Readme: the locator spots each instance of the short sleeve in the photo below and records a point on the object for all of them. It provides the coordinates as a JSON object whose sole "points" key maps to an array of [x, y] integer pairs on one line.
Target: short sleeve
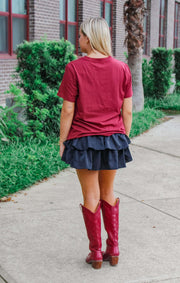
{"points": [[69, 86], [128, 92]]}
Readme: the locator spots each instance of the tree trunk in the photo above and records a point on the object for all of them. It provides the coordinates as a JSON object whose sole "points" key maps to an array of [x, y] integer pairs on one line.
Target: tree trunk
{"points": [[134, 11], [135, 65]]}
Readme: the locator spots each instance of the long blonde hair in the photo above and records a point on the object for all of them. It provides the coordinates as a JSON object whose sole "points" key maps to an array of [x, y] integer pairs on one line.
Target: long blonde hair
{"points": [[97, 30]]}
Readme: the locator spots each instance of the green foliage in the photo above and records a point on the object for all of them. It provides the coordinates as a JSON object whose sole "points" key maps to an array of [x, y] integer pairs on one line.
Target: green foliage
{"points": [[157, 73], [162, 71], [144, 120], [22, 164], [41, 66], [147, 77], [177, 67], [169, 102], [11, 127]]}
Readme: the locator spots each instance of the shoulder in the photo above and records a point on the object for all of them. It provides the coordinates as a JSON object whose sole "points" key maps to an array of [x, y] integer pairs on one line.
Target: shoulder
{"points": [[120, 64], [124, 69], [75, 63], [75, 66]]}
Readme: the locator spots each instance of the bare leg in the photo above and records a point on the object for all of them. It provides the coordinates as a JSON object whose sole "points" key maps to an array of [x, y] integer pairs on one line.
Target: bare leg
{"points": [[106, 181], [90, 187]]}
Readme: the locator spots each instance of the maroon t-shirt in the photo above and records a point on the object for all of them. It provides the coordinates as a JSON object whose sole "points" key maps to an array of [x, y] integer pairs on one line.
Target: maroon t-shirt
{"points": [[98, 87]]}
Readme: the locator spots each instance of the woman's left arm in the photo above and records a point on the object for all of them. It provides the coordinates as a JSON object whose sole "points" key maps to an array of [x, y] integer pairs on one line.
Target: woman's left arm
{"points": [[67, 114]]}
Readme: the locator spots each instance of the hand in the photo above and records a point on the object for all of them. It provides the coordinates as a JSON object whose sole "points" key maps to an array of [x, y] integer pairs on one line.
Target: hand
{"points": [[62, 147]]}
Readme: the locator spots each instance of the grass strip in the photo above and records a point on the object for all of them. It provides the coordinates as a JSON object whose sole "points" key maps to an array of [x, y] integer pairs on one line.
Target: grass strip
{"points": [[23, 164], [144, 120], [169, 102]]}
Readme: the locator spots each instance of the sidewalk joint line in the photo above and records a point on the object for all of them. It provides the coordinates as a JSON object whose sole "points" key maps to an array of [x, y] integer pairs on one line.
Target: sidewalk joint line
{"points": [[1, 277], [166, 213], [151, 280], [168, 279], [5, 276], [156, 150]]}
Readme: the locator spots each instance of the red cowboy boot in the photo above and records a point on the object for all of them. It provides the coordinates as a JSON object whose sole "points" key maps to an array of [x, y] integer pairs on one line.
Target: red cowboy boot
{"points": [[111, 224], [93, 227]]}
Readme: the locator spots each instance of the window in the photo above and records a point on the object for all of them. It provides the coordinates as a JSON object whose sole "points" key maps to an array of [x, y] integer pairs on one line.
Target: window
{"points": [[106, 12], [162, 23], [14, 25], [176, 25], [68, 21]]}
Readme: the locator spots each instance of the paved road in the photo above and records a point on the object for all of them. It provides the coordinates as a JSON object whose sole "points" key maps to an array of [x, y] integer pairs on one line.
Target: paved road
{"points": [[42, 234]]}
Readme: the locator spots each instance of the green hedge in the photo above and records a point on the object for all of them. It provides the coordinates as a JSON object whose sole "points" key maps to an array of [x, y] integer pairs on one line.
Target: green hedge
{"points": [[40, 68], [41, 64], [162, 71], [147, 78], [156, 73], [177, 67]]}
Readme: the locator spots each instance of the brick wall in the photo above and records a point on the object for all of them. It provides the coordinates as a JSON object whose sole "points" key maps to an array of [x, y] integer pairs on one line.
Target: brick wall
{"points": [[170, 24], [31, 20], [90, 9], [6, 70], [148, 23], [44, 19], [154, 29], [114, 27], [120, 33]]}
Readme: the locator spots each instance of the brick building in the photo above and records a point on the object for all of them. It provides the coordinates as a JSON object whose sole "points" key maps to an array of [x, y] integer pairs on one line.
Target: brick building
{"points": [[35, 19]]}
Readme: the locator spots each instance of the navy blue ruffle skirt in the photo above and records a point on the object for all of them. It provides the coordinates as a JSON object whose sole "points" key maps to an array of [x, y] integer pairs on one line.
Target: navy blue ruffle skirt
{"points": [[98, 152]]}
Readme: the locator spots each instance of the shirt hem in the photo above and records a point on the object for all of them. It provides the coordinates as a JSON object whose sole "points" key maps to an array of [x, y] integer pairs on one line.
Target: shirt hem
{"points": [[95, 134]]}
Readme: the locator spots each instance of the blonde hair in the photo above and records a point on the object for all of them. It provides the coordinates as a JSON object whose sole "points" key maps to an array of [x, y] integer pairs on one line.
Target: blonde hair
{"points": [[97, 30]]}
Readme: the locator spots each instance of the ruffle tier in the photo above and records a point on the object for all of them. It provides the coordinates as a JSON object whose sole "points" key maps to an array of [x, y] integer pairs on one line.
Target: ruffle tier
{"points": [[98, 152]]}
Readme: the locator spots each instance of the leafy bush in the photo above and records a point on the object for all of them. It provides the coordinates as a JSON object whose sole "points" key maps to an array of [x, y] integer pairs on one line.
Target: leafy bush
{"points": [[11, 126], [177, 67], [147, 77], [162, 71], [41, 66]]}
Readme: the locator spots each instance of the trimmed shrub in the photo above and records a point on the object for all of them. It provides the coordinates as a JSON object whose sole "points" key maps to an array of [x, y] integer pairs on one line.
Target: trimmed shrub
{"points": [[177, 68], [147, 77], [162, 71], [41, 66]]}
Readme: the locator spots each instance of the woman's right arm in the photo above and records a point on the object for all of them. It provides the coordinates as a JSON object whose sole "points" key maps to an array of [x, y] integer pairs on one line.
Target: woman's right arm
{"points": [[127, 114]]}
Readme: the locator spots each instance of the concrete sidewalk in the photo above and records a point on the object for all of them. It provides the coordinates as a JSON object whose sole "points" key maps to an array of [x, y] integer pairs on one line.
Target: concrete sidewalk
{"points": [[42, 234]]}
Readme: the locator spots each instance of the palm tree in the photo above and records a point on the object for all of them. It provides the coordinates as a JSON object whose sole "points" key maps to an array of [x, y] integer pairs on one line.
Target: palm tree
{"points": [[134, 11]]}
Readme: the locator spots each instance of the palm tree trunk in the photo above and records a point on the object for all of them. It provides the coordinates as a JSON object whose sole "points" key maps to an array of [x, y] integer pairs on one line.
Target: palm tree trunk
{"points": [[135, 65], [134, 11]]}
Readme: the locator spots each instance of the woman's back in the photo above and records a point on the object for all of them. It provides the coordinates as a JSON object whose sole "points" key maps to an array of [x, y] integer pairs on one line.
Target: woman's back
{"points": [[98, 86]]}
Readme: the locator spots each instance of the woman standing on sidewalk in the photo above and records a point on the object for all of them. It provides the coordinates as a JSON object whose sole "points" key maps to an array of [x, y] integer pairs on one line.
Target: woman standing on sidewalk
{"points": [[95, 124]]}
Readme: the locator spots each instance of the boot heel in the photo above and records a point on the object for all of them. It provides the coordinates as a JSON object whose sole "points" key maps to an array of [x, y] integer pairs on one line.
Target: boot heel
{"points": [[114, 260], [96, 264]]}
